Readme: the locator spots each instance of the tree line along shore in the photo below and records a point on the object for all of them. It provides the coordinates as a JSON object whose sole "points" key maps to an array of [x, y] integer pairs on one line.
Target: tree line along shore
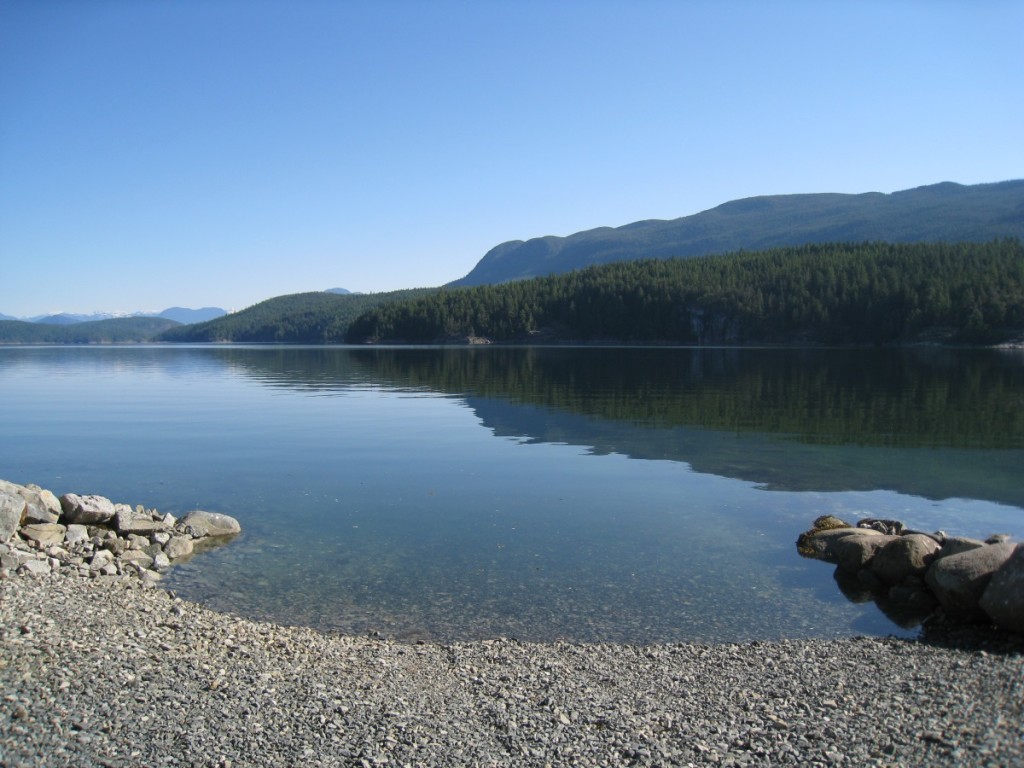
{"points": [[817, 294]]}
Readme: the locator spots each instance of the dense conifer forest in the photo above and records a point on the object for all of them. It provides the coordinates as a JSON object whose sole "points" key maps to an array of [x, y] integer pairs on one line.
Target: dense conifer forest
{"points": [[839, 294], [867, 293]]}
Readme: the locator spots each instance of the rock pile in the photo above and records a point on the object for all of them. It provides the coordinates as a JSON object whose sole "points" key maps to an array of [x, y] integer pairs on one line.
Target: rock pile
{"points": [[91, 536], [966, 580]]}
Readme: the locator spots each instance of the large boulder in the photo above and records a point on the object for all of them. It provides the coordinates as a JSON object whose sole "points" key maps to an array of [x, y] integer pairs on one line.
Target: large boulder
{"points": [[35, 567], [1003, 598], [137, 557], [41, 505], [136, 521], [12, 511], [44, 534], [86, 510], [198, 524], [904, 557], [179, 546], [76, 534], [954, 545], [856, 551], [821, 543], [959, 581]]}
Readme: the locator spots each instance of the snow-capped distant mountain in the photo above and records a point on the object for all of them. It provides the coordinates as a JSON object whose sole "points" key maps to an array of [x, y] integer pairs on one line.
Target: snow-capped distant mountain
{"points": [[66, 318], [178, 314]]}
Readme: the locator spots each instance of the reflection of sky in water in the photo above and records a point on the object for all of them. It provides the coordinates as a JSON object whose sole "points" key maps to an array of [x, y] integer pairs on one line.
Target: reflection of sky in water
{"points": [[369, 507]]}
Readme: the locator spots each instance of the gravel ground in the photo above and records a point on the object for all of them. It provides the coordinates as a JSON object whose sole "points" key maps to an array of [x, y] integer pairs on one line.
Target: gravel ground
{"points": [[107, 673]]}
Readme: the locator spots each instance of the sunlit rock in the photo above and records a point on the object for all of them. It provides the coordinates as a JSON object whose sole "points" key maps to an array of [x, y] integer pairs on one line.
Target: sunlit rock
{"points": [[1003, 598], [178, 547], [856, 551], [904, 557], [954, 545], [44, 534], [87, 510], [959, 581], [12, 509], [41, 506], [136, 521]]}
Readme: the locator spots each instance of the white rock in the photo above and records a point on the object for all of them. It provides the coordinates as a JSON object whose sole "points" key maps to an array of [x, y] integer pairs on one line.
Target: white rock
{"points": [[87, 510], [35, 567], [76, 533], [101, 558], [136, 557], [41, 506], [44, 534], [12, 508]]}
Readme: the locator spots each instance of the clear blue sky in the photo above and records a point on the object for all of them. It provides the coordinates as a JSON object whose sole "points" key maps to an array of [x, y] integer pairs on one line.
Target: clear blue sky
{"points": [[220, 152]]}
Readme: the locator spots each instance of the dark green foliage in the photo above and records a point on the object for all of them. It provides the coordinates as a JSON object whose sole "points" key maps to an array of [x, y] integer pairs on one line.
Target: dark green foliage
{"points": [[869, 293], [907, 397], [118, 330], [940, 212], [310, 318]]}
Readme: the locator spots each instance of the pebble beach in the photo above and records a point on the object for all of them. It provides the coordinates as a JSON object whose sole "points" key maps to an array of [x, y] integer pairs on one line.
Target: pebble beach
{"points": [[112, 671]]}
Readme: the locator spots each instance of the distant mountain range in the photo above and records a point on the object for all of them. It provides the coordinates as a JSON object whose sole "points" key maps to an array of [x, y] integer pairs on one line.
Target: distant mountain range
{"points": [[940, 212], [177, 314], [118, 330]]}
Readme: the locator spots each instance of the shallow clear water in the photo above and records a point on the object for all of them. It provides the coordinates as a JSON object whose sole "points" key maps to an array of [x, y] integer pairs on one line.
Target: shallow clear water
{"points": [[636, 495]]}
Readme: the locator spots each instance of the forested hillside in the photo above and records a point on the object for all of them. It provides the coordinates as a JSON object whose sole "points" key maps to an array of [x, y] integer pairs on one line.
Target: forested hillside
{"points": [[312, 318], [870, 293], [940, 212], [118, 330]]}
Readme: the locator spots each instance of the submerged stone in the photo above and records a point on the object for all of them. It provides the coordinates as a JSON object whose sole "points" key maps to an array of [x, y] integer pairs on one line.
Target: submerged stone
{"points": [[178, 546], [199, 524]]}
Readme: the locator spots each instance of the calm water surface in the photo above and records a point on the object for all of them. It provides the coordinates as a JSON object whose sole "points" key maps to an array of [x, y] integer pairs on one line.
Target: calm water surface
{"points": [[606, 494]]}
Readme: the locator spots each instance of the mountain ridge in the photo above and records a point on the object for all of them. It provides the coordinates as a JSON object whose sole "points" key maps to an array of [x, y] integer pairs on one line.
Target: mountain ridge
{"points": [[946, 211], [181, 315], [118, 330]]}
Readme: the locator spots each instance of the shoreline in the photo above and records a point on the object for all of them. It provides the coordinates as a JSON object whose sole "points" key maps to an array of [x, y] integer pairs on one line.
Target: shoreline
{"points": [[116, 673]]}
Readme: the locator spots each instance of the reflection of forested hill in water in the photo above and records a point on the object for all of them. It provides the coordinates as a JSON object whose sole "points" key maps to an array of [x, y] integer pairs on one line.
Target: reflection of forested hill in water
{"points": [[925, 397], [917, 398], [772, 460], [931, 422]]}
